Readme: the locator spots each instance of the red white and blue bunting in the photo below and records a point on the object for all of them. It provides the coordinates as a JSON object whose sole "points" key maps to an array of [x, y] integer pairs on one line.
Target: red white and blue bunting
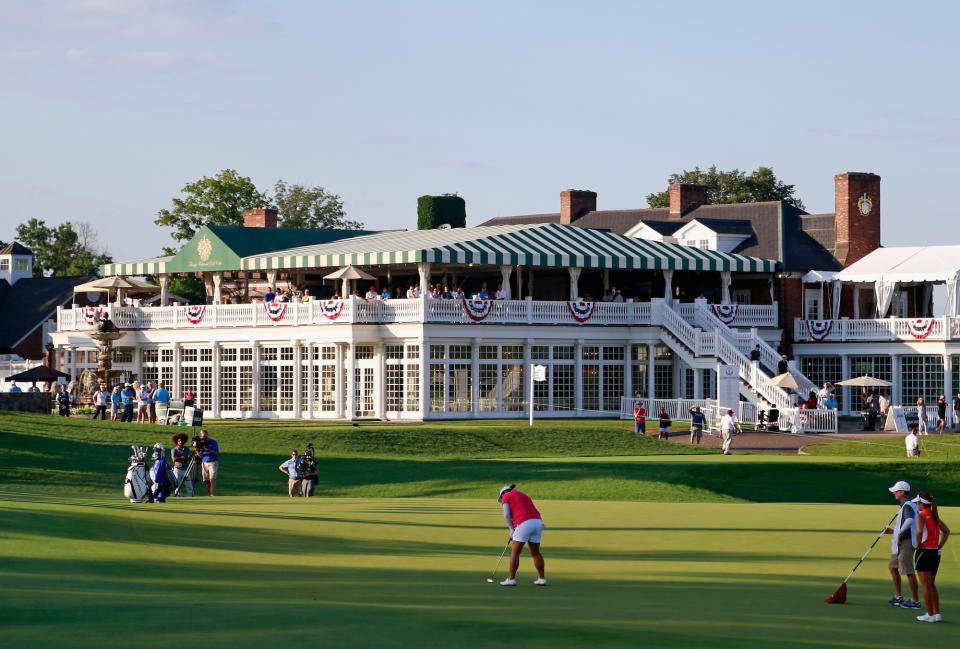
{"points": [[195, 313], [331, 309], [726, 313], [275, 310], [920, 328], [819, 329], [91, 314], [580, 310], [477, 309]]}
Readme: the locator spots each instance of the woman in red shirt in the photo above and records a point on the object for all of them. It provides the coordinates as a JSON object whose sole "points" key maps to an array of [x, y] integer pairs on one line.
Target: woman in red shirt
{"points": [[932, 534], [526, 526]]}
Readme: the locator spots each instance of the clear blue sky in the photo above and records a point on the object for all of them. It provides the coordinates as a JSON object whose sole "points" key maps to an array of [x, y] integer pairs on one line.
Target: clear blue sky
{"points": [[110, 106]]}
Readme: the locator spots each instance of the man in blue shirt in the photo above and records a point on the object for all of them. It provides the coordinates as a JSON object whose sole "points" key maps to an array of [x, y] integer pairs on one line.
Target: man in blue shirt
{"points": [[161, 400], [292, 468], [210, 460], [14, 387], [128, 396], [484, 292], [697, 419]]}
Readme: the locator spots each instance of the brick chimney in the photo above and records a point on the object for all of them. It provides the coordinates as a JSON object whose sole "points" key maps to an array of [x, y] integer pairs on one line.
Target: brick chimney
{"points": [[260, 217], [574, 203], [685, 197], [857, 217]]}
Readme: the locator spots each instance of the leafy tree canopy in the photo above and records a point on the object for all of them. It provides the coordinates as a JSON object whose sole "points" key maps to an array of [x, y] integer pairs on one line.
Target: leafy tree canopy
{"points": [[301, 206], [222, 199], [65, 249], [434, 211], [732, 187]]}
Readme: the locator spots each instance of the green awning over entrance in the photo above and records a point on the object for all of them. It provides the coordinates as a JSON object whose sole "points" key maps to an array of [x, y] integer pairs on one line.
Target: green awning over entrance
{"points": [[549, 245]]}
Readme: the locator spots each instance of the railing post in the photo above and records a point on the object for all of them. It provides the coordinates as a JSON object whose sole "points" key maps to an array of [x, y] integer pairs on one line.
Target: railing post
{"points": [[529, 305]]}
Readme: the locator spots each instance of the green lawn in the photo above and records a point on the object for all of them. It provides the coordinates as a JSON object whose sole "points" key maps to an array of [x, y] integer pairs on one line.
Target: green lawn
{"points": [[647, 543], [933, 447]]}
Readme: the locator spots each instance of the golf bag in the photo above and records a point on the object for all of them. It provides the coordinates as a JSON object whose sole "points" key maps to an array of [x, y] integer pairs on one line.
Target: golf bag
{"points": [[159, 480], [135, 484]]}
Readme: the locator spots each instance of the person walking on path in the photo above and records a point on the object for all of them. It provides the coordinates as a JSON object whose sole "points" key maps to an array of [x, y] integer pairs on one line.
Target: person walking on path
{"points": [[664, 424], [526, 526], [640, 418], [941, 414], [292, 468], [210, 462], [697, 418], [932, 534], [923, 424], [901, 547], [728, 428]]}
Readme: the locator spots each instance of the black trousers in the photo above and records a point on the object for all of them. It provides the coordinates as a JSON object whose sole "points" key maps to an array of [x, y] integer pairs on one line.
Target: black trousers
{"points": [[100, 411], [127, 412], [64, 411]]}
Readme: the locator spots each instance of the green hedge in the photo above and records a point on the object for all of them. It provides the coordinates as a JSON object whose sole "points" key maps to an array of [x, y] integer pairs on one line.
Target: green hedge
{"points": [[434, 211]]}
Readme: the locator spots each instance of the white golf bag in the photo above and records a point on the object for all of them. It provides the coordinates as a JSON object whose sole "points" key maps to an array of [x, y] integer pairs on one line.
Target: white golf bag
{"points": [[135, 484]]}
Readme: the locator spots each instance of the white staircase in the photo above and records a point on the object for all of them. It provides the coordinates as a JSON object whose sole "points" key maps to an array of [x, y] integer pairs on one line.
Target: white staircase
{"points": [[711, 340]]}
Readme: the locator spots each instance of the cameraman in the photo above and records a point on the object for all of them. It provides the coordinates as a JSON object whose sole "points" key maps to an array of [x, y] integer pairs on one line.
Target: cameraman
{"points": [[292, 468], [208, 451], [180, 455], [309, 474]]}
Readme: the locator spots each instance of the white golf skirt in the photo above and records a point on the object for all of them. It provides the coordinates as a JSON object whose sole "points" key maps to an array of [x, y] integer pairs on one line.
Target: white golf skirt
{"points": [[529, 530]]}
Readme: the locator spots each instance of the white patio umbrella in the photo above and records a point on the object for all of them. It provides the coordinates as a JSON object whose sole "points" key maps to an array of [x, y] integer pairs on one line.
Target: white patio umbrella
{"points": [[866, 381], [347, 273], [785, 380], [116, 283]]}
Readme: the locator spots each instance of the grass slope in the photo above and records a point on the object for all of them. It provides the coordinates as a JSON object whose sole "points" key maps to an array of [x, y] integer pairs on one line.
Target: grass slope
{"points": [[933, 447], [343, 573], [81, 456]]}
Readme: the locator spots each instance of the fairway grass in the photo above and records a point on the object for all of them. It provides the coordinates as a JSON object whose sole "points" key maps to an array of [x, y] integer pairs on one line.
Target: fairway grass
{"points": [[243, 571]]}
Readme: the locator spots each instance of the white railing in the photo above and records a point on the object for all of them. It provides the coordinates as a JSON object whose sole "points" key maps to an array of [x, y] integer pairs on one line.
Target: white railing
{"points": [[679, 409], [880, 329], [747, 315]]}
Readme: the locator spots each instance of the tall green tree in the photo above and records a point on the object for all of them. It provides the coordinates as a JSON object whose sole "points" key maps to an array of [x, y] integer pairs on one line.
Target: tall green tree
{"points": [[732, 187], [219, 200], [446, 209], [65, 249], [302, 206]]}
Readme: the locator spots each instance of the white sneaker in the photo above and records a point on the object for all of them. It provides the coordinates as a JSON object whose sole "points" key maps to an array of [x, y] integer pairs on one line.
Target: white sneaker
{"points": [[508, 582], [937, 618], [542, 581], [927, 618]]}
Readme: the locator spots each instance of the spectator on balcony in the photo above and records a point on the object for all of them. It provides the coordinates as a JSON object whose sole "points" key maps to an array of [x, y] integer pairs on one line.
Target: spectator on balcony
{"points": [[269, 296], [371, 293], [385, 293], [923, 424], [941, 414], [484, 292], [306, 295], [501, 294], [435, 292], [458, 295], [446, 294], [617, 297], [755, 354], [14, 387], [607, 295]]}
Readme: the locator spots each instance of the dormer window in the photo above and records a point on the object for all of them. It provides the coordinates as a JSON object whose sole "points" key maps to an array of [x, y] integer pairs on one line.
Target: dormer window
{"points": [[21, 263], [4, 264]]}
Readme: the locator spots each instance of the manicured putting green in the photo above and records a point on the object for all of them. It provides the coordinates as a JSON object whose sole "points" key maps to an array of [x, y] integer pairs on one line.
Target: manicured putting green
{"points": [[93, 571]]}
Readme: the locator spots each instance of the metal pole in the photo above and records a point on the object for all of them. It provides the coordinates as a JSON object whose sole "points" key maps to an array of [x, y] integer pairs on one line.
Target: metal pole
{"points": [[531, 393]]}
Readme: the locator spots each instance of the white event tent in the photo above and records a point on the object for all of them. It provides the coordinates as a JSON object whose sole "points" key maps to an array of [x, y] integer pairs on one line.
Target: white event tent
{"points": [[886, 268]]}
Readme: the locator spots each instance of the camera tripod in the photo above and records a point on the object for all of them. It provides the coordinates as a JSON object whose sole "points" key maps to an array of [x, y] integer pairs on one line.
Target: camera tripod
{"points": [[190, 473]]}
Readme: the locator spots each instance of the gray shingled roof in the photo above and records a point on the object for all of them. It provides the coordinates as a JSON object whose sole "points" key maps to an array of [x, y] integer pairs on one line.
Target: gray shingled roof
{"points": [[15, 248], [25, 305]]}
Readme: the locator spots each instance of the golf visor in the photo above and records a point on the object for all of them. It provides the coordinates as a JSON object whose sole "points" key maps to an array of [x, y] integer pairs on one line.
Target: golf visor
{"points": [[504, 490], [918, 499]]}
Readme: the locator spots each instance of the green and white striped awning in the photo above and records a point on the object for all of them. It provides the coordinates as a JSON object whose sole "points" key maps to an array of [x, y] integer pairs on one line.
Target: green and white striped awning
{"points": [[549, 245], [143, 267]]}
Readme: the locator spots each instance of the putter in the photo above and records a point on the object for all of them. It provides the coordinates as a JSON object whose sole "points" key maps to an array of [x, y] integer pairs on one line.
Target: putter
{"points": [[490, 578]]}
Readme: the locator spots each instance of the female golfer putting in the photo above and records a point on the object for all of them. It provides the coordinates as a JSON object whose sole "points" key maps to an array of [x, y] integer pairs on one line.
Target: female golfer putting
{"points": [[526, 526]]}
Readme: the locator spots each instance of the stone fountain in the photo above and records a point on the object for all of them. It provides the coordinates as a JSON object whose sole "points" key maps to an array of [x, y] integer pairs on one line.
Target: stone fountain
{"points": [[105, 335]]}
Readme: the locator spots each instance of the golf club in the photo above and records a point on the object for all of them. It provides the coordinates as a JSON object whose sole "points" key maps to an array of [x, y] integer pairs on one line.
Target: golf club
{"points": [[490, 578]]}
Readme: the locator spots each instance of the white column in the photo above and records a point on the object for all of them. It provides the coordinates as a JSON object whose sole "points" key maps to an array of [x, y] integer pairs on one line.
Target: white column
{"points": [[73, 364], [311, 381], [423, 269], [725, 279], [896, 390], [697, 383], [164, 289], [578, 375], [255, 397], [341, 370], [574, 277], [530, 282], [297, 379], [425, 378], [217, 282], [606, 280], [528, 370], [519, 283], [272, 280], [475, 376], [380, 382], [351, 381], [651, 362], [216, 380], [667, 285], [505, 272], [856, 301], [628, 370], [177, 386], [845, 371], [948, 385]]}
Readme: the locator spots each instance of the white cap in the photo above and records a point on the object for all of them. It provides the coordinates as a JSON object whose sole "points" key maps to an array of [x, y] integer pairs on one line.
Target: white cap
{"points": [[504, 490], [902, 485]]}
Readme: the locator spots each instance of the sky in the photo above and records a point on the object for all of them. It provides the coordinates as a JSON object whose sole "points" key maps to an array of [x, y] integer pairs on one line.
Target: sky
{"points": [[110, 107]]}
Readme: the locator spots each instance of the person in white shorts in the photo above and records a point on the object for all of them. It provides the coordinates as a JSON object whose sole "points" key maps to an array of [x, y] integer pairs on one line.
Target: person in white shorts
{"points": [[526, 526]]}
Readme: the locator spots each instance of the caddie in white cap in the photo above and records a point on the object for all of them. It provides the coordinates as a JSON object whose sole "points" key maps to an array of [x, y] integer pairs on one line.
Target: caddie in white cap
{"points": [[901, 546]]}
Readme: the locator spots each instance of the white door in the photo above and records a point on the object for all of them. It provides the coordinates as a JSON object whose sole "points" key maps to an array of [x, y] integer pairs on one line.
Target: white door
{"points": [[812, 304], [364, 390]]}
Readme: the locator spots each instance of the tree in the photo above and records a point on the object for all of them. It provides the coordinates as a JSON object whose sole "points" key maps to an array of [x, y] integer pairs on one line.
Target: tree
{"points": [[66, 249], [434, 211], [220, 200], [310, 207], [732, 187]]}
